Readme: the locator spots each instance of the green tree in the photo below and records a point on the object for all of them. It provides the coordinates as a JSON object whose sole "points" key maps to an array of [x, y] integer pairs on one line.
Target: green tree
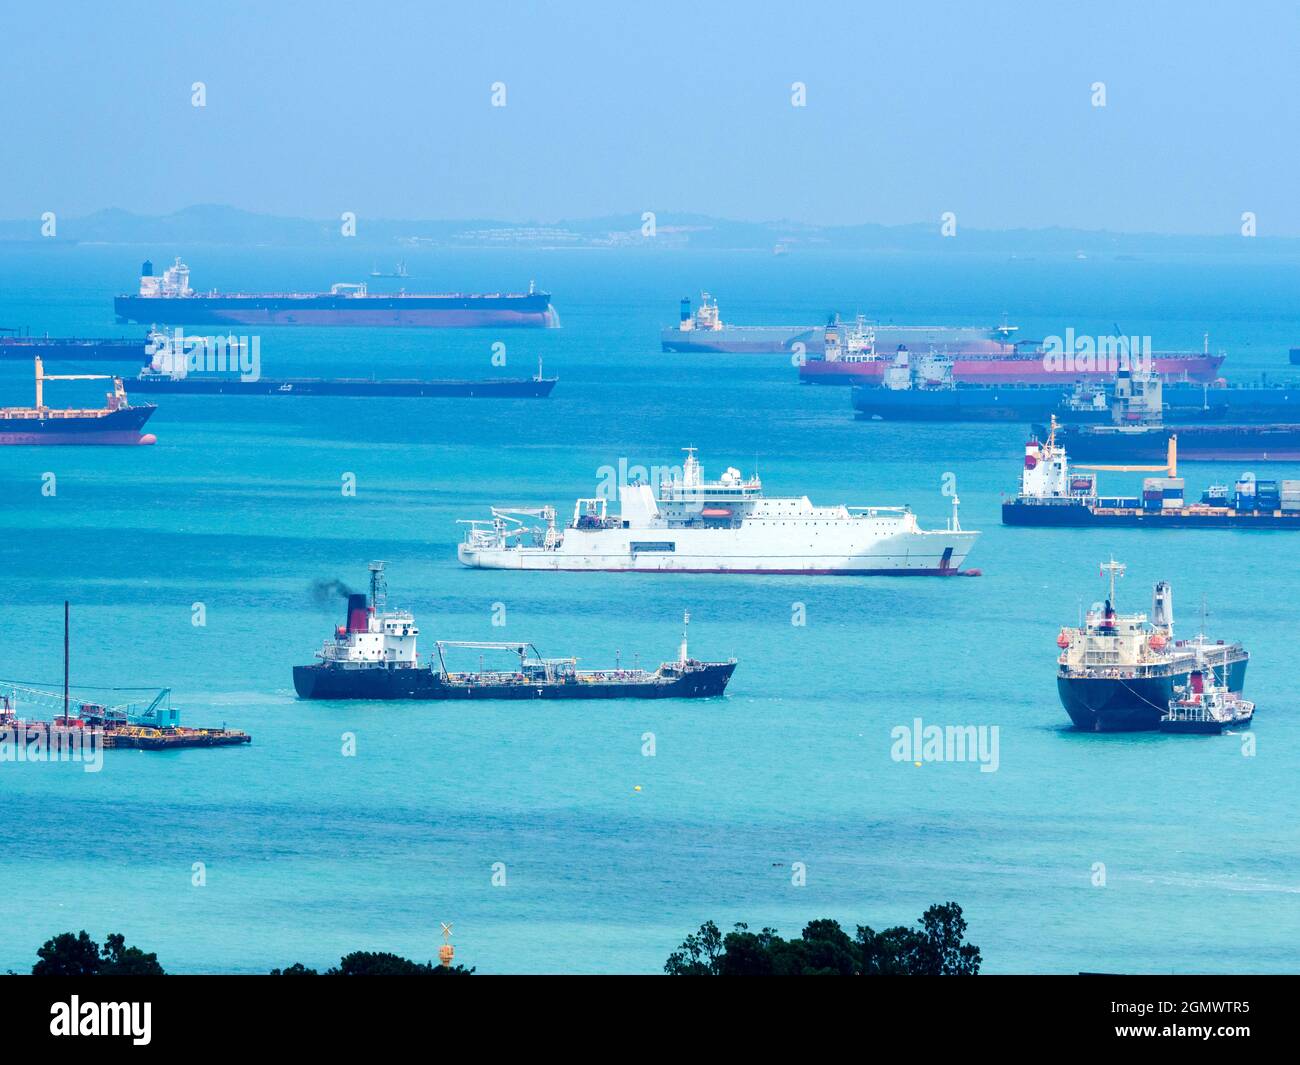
{"points": [[75, 954], [936, 948], [67, 954], [376, 963]]}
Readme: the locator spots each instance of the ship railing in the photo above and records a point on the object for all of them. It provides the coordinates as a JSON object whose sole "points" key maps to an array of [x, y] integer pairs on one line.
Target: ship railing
{"points": [[871, 512]]}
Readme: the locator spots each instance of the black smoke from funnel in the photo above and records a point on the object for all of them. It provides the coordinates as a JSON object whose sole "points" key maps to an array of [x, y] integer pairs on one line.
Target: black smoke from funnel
{"points": [[323, 593]]}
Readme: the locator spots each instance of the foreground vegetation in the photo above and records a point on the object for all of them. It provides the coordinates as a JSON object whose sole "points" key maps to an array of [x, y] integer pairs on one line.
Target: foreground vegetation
{"points": [[825, 949], [75, 954]]}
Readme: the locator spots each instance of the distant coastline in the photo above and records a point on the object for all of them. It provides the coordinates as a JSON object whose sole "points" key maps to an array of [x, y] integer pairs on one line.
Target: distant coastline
{"points": [[230, 226]]}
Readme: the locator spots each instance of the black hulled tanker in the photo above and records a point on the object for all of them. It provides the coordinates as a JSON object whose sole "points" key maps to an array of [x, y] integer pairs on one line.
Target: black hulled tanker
{"points": [[373, 656], [1118, 672]]}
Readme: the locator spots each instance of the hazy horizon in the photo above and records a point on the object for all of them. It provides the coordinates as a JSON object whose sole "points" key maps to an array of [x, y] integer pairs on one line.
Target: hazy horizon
{"points": [[315, 109]]}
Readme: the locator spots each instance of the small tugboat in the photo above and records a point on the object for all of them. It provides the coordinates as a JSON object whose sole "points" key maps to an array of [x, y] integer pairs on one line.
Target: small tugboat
{"points": [[1118, 672], [373, 656], [1205, 709], [117, 422]]}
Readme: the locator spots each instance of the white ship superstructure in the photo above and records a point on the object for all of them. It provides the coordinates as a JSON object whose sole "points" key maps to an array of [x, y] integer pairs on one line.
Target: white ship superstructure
{"points": [[690, 525]]}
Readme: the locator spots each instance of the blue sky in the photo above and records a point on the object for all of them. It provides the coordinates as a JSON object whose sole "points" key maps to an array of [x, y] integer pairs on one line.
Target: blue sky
{"points": [[913, 109]]}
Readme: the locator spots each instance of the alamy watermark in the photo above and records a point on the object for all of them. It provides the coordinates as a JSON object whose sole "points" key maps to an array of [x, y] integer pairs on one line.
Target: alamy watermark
{"points": [[180, 354], [919, 742], [39, 742], [1101, 354]]}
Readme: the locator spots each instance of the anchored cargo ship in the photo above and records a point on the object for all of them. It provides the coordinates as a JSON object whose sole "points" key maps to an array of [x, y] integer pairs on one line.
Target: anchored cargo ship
{"points": [[373, 656], [1051, 494], [1196, 443], [1118, 672], [1025, 362], [117, 422], [169, 300], [73, 349], [689, 525], [922, 388], [169, 372], [704, 331]]}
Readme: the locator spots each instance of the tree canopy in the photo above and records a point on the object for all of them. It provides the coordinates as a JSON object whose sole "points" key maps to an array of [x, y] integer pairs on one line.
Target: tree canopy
{"points": [[935, 948], [376, 963], [75, 954]]}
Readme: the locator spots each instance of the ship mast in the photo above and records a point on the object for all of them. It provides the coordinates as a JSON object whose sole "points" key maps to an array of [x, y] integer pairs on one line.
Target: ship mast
{"points": [[686, 623], [378, 588], [1116, 569]]}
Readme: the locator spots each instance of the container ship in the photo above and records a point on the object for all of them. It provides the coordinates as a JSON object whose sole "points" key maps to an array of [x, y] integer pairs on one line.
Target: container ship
{"points": [[1119, 672], [1052, 494], [117, 422], [704, 331], [169, 300], [73, 349], [373, 656], [861, 358], [686, 524], [923, 389]]}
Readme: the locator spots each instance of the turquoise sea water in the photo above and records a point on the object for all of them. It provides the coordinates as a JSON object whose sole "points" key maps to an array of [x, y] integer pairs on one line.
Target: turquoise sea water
{"points": [[310, 854]]}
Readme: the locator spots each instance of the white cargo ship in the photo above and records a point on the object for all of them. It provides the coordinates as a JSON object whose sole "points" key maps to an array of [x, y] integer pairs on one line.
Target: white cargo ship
{"points": [[690, 525]]}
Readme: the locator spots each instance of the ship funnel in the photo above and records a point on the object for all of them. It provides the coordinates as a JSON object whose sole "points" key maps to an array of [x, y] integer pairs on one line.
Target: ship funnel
{"points": [[358, 619], [1162, 606], [686, 308], [146, 269]]}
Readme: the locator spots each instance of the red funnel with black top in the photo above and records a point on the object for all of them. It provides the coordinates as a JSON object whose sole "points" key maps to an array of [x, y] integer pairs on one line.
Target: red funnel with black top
{"points": [[358, 614]]}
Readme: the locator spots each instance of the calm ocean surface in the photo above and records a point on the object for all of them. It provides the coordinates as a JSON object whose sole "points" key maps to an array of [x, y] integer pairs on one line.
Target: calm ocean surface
{"points": [[310, 854]]}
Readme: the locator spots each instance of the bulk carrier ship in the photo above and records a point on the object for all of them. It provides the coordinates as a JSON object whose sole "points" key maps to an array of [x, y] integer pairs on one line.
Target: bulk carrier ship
{"points": [[117, 422], [1118, 672], [373, 656], [169, 300], [690, 525]]}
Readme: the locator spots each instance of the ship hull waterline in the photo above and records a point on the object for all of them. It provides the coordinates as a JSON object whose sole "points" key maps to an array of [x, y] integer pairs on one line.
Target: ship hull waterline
{"points": [[1134, 704], [523, 313], [426, 684]]}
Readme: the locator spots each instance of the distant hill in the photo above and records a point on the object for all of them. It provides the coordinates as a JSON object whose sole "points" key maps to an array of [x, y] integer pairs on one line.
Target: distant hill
{"points": [[221, 225]]}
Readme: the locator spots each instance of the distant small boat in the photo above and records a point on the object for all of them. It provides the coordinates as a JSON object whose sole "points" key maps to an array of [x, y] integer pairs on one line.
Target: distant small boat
{"points": [[399, 271]]}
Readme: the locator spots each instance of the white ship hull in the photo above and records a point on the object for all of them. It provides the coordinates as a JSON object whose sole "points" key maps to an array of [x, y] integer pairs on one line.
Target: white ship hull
{"points": [[811, 551]]}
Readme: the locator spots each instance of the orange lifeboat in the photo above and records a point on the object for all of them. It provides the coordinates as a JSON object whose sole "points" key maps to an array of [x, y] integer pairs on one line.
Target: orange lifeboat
{"points": [[1063, 641], [1158, 641]]}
